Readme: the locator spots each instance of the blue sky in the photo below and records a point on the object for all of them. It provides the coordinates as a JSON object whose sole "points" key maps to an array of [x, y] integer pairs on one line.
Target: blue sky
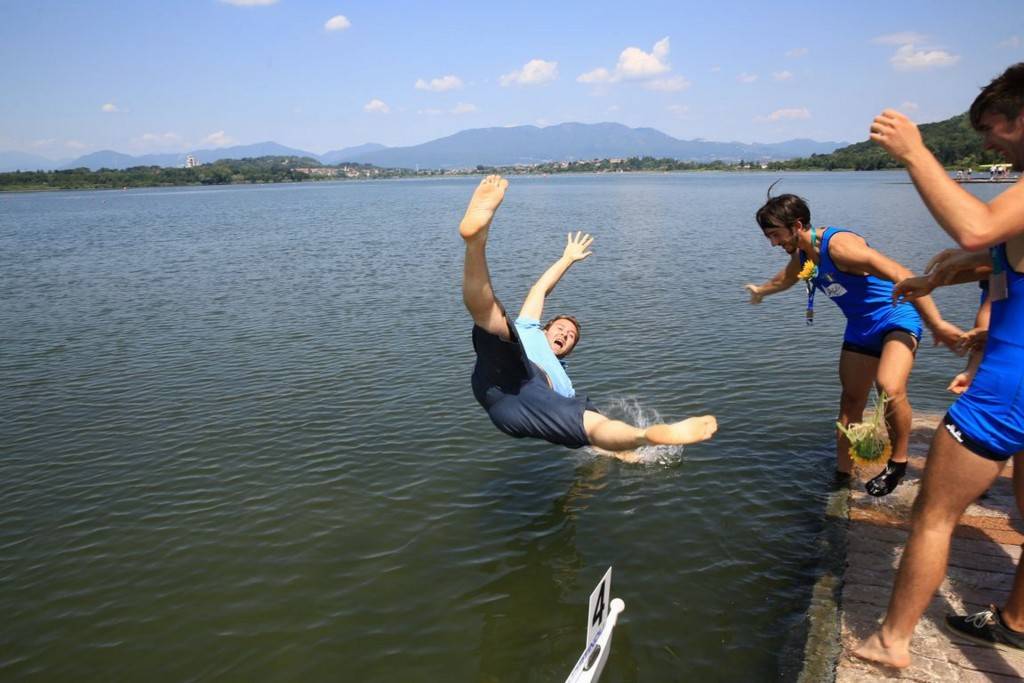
{"points": [[145, 76]]}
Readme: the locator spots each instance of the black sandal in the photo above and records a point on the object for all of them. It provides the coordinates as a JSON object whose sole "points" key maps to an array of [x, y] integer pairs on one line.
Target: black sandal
{"points": [[887, 481]]}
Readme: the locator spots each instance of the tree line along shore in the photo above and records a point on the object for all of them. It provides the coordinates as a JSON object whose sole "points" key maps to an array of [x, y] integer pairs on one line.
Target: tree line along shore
{"points": [[953, 142]]}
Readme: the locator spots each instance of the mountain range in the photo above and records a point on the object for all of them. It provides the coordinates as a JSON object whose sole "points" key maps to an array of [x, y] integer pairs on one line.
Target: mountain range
{"points": [[466, 149]]}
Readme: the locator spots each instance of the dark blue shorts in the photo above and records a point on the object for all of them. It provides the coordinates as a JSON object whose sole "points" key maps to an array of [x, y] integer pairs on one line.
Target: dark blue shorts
{"points": [[989, 417], [867, 335], [516, 395]]}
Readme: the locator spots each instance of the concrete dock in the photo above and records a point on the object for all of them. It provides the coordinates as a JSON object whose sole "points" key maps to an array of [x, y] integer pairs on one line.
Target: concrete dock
{"points": [[867, 538]]}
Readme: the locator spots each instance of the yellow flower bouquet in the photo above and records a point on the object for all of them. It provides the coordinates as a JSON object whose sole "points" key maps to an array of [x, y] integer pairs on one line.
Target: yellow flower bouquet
{"points": [[808, 271], [869, 440]]}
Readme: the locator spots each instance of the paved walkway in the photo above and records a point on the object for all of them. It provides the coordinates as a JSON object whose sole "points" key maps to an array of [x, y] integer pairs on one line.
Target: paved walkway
{"points": [[985, 552]]}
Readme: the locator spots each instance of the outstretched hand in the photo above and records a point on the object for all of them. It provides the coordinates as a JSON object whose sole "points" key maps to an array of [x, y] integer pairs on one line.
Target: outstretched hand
{"points": [[972, 340], [945, 265], [577, 246], [948, 335], [896, 134], [911, 288], [756, 296]]}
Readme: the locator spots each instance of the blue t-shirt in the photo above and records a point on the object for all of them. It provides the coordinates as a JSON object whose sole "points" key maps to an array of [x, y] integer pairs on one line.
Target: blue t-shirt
{"points": [[537, 349]]}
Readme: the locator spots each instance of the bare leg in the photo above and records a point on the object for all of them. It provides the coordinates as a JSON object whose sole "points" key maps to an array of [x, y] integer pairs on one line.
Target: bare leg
{"points": [[1013, 613], [856, 375], [953, 478], [614, 435], [893, 373], [477, 292]]}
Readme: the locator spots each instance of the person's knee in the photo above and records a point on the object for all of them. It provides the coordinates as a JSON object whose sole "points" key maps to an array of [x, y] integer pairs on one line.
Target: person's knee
{"points": [[932, 514], [895, 392], [851, 405]]}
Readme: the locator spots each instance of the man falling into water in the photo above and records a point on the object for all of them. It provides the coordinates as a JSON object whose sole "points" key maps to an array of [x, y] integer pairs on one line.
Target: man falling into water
{"points": [[880, 339], [519, 378]]}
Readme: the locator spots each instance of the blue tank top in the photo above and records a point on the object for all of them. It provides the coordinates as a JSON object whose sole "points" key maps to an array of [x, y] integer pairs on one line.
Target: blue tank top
{"points": [[1006, 326], [858, 296]]}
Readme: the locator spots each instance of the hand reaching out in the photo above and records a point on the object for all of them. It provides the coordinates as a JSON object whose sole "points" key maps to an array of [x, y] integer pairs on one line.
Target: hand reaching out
{"points": [[912, 288], [756, 296], [972, 340], [576, 247]]}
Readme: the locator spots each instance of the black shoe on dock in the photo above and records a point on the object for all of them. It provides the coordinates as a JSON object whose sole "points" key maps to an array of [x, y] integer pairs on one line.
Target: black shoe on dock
{"points": [[886, 482], [986, 627]]}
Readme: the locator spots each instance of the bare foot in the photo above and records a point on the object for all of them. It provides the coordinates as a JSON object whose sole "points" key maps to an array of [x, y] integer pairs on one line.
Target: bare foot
{"points": [[687, 431], [624, 456], [874, 650], [485, 201]]}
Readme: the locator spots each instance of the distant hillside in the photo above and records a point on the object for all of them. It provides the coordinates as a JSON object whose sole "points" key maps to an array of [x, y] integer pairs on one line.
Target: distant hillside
{"points": [[338, 156], [953, 142], [117, 161], [573, 141], [23, 161]]}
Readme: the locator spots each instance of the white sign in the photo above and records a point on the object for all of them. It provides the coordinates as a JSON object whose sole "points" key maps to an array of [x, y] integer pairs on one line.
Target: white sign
{"points": [[600, 604]]}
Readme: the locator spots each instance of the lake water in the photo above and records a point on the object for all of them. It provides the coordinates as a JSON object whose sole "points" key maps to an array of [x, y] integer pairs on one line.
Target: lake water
{"points": [[239, 442]]}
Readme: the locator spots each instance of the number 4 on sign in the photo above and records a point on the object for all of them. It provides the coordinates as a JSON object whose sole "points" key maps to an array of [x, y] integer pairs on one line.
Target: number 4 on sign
{"points": [[600, 601]]}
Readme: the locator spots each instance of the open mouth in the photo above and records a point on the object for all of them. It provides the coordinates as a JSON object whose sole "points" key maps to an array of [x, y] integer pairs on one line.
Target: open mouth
{"points": [[559, 344]]}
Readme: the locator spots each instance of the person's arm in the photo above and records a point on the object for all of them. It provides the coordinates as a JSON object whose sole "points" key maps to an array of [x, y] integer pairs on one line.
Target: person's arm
{"points": [[575, 250], [971, 222], [948, 267], [852, 254], [783, 280]]}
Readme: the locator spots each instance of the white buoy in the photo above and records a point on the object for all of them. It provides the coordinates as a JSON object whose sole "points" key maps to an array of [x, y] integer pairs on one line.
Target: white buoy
{"points": [[602, 615]]}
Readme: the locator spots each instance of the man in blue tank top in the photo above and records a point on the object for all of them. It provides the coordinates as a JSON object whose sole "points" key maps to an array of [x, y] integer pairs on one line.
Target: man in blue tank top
{"points": [[985, 426], [880, 339], [519, 378]]}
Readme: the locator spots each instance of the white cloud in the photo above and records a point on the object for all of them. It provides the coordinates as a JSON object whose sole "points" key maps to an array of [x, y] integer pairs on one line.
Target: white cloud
{"points": [[907, 58], [636, 65], [715, 69], [75, 144], [671, 84], [1013, 42], [249, 3], [464, 108], [442, 84], [904, 38], [614, 108], [42, 143], [797, 52], [109, 108], [429, 112], [218, 139], [679, 109], [337, 23], [598, 75], [793, 113], [376, 105], [534, 72], [908, 106], [782, 75], [746, 78]]}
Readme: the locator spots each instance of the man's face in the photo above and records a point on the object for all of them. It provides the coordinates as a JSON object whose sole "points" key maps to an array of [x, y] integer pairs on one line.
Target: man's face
{"points": [[782, 237], [1005, 136], [561, 337]]}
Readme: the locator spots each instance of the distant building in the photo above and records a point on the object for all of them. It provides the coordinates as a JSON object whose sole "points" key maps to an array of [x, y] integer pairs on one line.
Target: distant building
{"points": [[190, 161]]}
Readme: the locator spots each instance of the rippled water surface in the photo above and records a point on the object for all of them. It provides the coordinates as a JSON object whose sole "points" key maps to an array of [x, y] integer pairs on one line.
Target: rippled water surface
{"points": [[238, 439]]}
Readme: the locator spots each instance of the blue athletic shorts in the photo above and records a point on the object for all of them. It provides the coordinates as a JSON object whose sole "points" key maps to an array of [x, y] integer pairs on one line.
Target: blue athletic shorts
{"points": [[867, 335], [989, 418], [516, 395]]}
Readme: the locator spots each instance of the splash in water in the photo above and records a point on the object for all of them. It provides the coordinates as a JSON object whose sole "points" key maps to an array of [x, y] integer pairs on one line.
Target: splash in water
{"points": [[628, 409]]}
